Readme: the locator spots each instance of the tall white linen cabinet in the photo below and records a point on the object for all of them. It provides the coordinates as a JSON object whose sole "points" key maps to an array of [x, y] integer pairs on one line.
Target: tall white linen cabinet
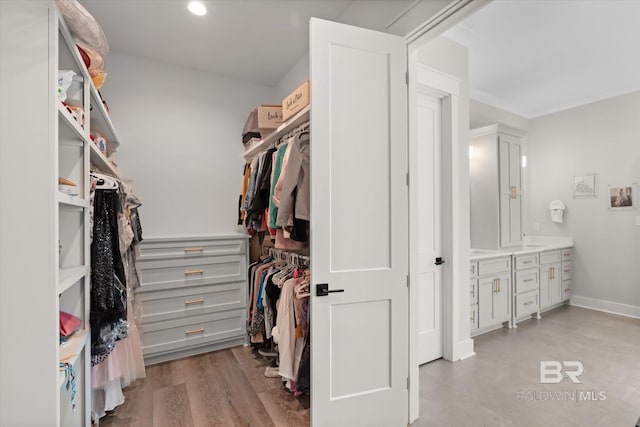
{"points": [[45, 236]]}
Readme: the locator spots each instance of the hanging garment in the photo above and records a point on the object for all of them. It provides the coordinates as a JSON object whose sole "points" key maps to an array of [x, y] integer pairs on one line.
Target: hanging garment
{"points": [[108, 311], [277, 169], [297, 179]]}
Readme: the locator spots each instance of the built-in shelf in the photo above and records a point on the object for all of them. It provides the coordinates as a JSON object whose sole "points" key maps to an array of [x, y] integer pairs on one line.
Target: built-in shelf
{"points": [[99, 116], [71, 349], [301, 117], [99, 160], [69, 352], [69, 276], [72, 123], [69, 200]]}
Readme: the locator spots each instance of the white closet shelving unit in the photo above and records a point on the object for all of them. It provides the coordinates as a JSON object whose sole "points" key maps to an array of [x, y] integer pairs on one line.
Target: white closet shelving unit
{"points": [[299, 118], [45, 246]]}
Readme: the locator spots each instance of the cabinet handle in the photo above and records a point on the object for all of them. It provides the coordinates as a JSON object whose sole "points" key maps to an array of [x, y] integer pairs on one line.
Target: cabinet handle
{"points": [[567, 254], [567, 289], [528, 262], [568, 270], [528, 303], [194, 331], [473, 293], [499, 289], [528, 280], [194, 301], [513, 191], [190, 272], [198, 249], [495, 285], [473, 316]]}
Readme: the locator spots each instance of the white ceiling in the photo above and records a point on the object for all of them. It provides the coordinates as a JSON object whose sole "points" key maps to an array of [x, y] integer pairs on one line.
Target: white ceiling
{"points": [[252, 40], [535, 57]]}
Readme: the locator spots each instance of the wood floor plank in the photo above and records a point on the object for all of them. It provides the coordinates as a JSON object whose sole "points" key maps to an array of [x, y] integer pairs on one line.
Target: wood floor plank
{"points": [[171, 407]]}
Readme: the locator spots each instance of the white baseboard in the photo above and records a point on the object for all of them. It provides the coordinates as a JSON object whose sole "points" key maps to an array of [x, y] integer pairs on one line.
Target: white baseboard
{"points": [[465, 349], [606, 306]]}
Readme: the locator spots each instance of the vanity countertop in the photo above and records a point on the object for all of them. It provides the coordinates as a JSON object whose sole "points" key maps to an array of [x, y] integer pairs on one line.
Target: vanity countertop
{"points": [[531, 244]]}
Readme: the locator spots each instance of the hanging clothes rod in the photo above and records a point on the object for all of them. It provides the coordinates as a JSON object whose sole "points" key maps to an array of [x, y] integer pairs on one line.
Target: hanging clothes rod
{"points": [[292, 258], [300, 129]]}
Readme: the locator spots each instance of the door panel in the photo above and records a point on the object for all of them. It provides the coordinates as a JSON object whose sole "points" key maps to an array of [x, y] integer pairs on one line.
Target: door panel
{"points": [[505, 192], [359, 210], [515, 204], [429, 226]]}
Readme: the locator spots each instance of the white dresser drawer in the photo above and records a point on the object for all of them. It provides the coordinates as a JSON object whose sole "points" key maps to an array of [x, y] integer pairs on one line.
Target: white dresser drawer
{"points": [[550, 257], [526, 304], [474, 317], [171, 273], [567, 289], [567, 254], [474, 291], [193, 331], [567, 270], [527, 280], [526, 261], [170, 304], [190, 247], [493, 266]]}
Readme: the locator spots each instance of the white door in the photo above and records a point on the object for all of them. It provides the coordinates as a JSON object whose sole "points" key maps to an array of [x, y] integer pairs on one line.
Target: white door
{"points": [[428, 226], [359, 210]]}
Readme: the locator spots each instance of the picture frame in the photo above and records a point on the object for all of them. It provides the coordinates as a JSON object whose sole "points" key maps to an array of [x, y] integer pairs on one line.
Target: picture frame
{"points": [[622, 197], [585, 186]]}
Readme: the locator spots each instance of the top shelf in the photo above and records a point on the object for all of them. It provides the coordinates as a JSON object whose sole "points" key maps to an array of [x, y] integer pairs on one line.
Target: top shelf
{"points": [[301, 117], [99, 118]]}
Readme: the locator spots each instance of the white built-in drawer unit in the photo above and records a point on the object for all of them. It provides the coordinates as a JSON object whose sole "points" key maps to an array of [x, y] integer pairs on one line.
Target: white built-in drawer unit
{"points": [[193, 294], [526, 280], [493, 266], [526, 304], [526, 261], [567, 271]]}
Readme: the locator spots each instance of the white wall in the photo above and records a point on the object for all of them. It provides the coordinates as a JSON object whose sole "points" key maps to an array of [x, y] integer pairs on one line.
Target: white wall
{"points": [[451, 58], [294, 78], [181, 142], [484, 115], [603, 137]]}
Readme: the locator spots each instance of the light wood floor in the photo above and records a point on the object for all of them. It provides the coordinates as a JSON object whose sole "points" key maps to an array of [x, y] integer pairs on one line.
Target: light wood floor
{"points": [[483, 390], [227, 388]]}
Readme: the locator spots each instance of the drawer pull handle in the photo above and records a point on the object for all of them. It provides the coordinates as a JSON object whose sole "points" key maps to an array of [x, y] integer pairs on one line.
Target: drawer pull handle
{"points": [[528, 262], [197, 249], [528, 303], [194, 331], [190, 272], [567, 270], [513, 191], [194, 301], [528, 280], [567, 254], [567, 289]]}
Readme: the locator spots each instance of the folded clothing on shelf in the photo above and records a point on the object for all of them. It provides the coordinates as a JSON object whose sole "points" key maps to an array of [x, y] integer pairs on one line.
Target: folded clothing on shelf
{"points": [[68, 324], [68, 187]]}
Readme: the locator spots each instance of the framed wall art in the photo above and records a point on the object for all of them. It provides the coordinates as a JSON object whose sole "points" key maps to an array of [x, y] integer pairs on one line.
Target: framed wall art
{"points": [[622, 197], [585, 186]]}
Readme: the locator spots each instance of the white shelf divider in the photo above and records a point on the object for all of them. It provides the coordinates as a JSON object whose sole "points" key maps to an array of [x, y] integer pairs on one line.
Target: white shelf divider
{"points": [[69, 276], [300, 117], [67, 199]]}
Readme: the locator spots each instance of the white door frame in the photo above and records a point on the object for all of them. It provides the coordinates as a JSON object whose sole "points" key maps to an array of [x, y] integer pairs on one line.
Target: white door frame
{"points": [[427, 80]]}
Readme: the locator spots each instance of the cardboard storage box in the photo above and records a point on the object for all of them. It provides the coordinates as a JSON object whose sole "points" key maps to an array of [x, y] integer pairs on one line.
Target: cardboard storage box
{"points": [[269, 118], [296, 101]]}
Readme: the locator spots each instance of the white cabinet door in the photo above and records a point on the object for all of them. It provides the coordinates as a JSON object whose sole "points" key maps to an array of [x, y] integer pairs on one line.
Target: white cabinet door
{"points": [[359, 209], [486, 290], [501, 299], [550, 285], [510, 154]]}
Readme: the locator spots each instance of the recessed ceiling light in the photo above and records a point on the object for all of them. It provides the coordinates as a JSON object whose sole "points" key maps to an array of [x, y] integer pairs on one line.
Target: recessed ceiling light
{"points": [[197, 8]]}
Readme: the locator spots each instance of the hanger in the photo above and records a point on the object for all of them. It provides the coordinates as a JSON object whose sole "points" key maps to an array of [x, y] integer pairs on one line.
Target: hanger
{"points": [[105, 182]]}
